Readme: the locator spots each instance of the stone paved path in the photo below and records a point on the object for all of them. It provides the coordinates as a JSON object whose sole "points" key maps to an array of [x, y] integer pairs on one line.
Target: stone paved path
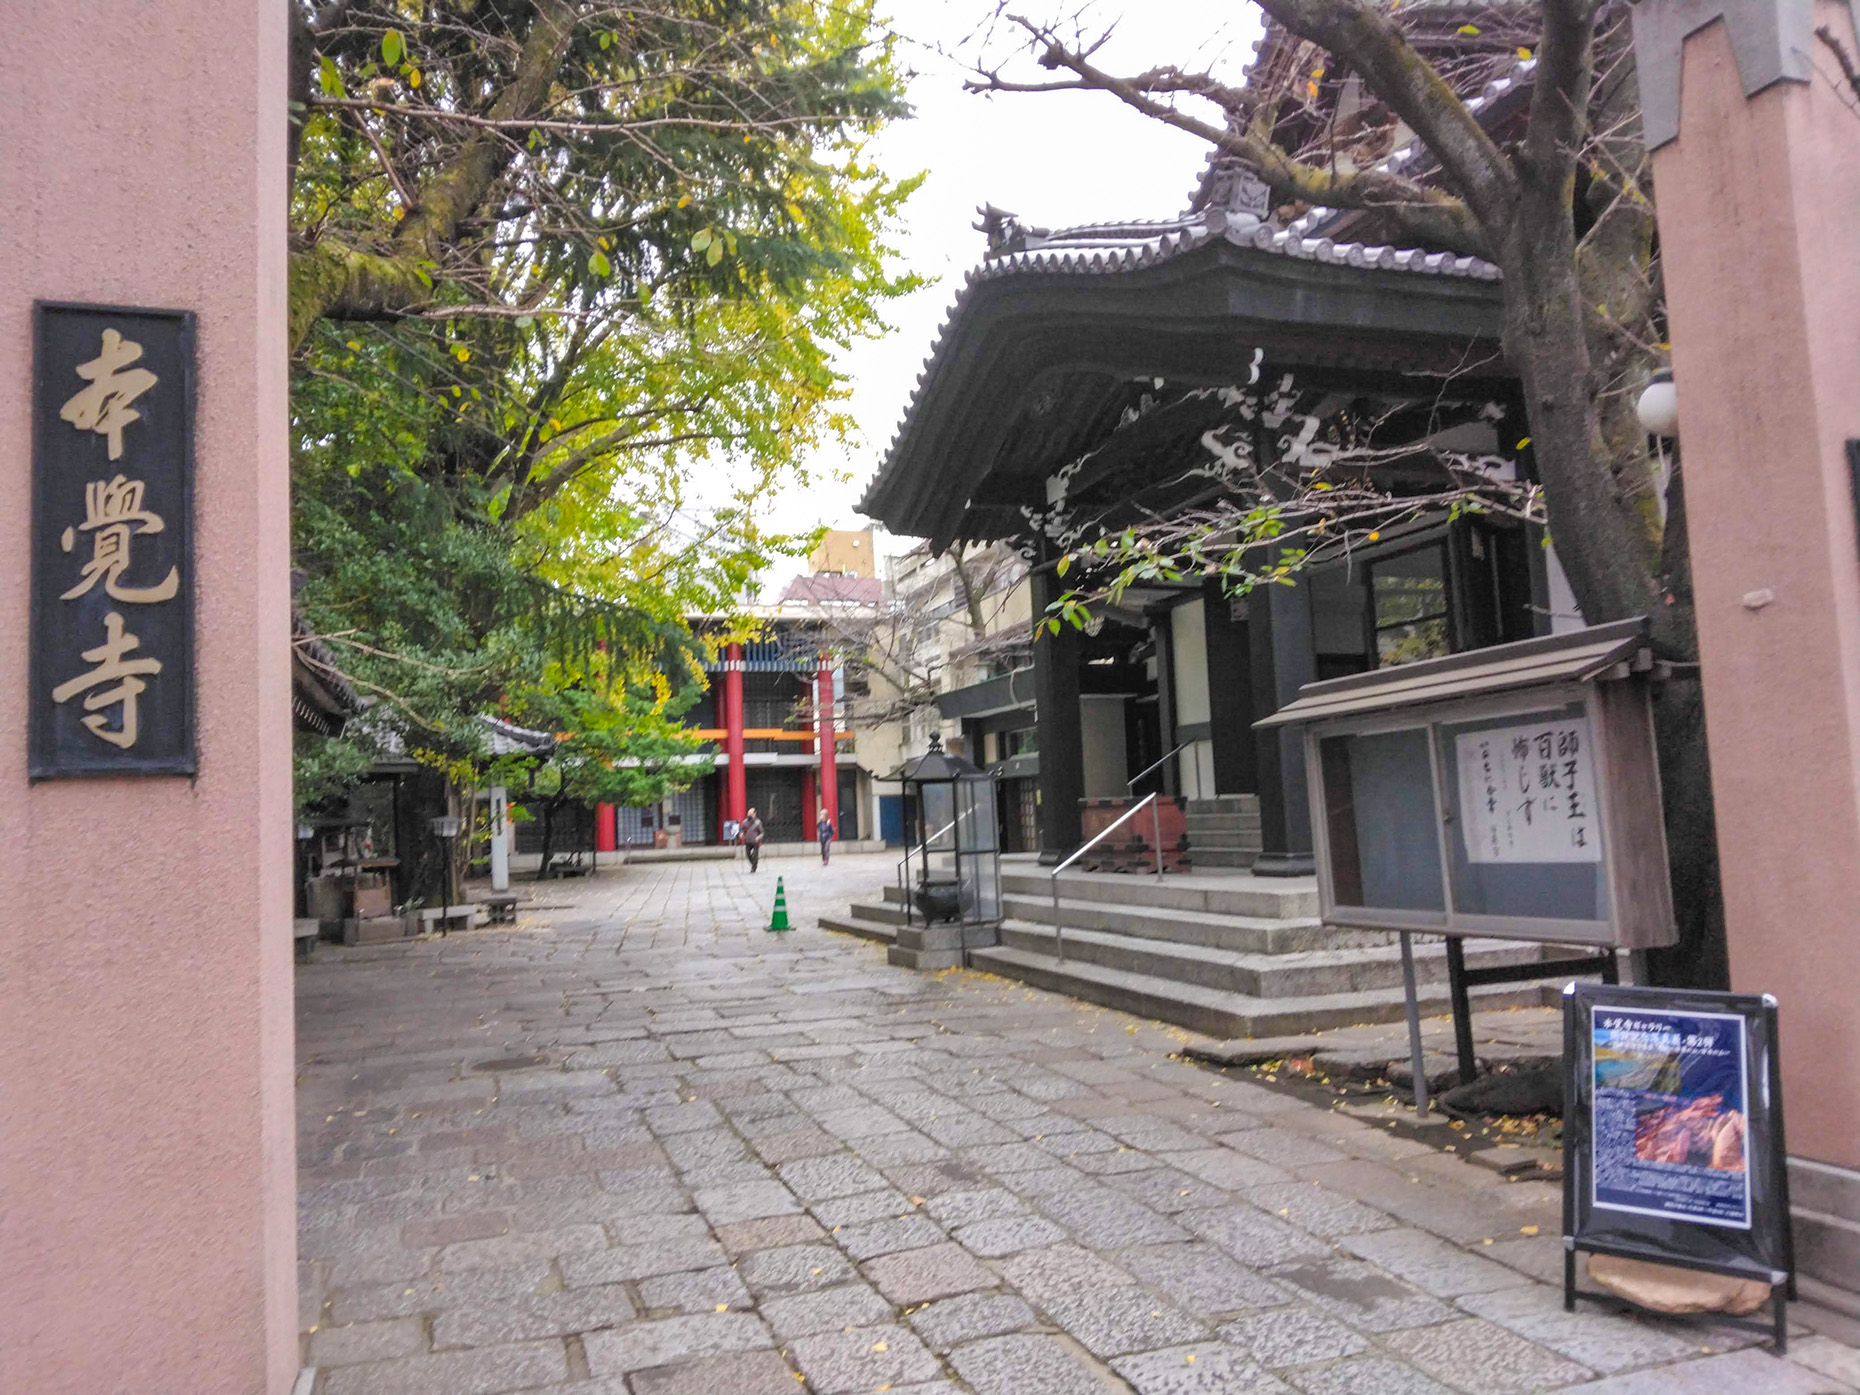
{"points": [[637, 1146]]}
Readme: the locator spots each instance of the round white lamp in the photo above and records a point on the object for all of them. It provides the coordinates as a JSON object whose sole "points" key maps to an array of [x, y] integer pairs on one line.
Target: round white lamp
{"points": [[1658, 408]]}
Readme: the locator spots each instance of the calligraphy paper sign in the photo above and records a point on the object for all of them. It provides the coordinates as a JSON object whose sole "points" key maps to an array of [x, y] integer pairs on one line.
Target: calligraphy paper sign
{"points": [[1527, 793], [112, 669]]}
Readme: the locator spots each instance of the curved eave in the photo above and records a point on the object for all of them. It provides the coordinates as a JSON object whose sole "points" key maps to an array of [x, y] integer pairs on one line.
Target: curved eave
{"points": [[1193, 313]]}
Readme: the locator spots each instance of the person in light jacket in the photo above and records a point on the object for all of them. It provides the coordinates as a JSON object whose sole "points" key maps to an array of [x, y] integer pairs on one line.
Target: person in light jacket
{"points": [[752, 839], [825, 829]]}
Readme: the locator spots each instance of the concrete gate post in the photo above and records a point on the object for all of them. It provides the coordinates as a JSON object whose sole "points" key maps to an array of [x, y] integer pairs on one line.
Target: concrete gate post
{"points": [[147, 1142], [1757, 176]]}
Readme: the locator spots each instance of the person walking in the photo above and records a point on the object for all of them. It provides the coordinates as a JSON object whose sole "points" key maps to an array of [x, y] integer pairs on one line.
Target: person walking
{"points": [[825, 829], [752, 839]]}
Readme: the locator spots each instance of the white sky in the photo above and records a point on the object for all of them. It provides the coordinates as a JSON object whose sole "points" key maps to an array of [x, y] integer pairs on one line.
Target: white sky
{"points": [[1056, 159]]}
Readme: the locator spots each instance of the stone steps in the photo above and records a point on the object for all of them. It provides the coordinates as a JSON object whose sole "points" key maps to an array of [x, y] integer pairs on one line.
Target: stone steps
{"points": [[1272, 977], [1243, 934], [1294, 899], [1225, 1014]]}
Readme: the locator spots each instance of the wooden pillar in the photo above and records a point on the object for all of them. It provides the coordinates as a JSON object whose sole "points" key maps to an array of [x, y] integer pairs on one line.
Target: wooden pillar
{"points": [[736, 779], [829, 773], [1162, 635], [1230, 691], [1281, 659], [1056, 660]]}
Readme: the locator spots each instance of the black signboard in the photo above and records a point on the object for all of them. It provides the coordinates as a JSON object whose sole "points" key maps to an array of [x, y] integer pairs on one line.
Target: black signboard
{"points": [[112, 670], [1673, 1134]]}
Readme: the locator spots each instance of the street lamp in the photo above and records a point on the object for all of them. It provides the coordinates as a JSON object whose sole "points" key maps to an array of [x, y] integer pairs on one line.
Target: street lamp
{"points": [[954, 814], [1658, 407]]}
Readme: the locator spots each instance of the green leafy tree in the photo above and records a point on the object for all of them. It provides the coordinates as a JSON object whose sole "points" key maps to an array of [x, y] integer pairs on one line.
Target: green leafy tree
{"points": [[568, 284]]}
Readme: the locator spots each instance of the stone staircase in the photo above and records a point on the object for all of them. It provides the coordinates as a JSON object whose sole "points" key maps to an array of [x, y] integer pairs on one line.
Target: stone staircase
{"points": [[1224, 832], [1226, 954]]}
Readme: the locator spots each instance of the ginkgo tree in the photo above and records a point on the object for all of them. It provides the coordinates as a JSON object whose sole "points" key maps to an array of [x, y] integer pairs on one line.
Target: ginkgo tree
{"points": [[569, 281]]}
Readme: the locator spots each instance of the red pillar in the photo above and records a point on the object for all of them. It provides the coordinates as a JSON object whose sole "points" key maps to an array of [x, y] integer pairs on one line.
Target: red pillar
{"points": [[810, 806], [604, 839], [736, 782], [829, 776]]}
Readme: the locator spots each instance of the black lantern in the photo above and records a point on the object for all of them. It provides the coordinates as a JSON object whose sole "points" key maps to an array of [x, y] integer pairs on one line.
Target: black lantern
{"points": [[955, 839]]}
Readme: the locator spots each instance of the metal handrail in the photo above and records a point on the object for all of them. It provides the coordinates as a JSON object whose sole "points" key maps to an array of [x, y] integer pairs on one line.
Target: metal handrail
{"points": [[905, 861], [1059, 929], [1131, 783]]}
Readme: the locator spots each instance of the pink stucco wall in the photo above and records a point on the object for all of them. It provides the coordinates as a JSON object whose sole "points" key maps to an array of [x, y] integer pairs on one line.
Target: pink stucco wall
{"points": [[147, 1237], [1762, 264]]}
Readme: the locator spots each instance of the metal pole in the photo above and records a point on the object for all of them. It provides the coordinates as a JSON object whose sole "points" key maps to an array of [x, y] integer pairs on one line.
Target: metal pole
{"points": [[1156, 829], [1414, 1026], [1059, 930]]}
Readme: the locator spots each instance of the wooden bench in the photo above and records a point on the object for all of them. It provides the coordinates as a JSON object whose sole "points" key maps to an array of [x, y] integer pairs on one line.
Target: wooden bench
{"points": [[567, 865]]}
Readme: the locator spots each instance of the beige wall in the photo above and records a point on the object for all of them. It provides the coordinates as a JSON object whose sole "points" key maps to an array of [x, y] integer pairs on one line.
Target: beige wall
{"points": [[1762, 266], [1189, 650], [844, 551], [147, 1216]]}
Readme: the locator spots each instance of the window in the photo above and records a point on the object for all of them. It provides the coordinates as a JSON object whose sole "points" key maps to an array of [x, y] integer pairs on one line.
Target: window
{"points": [[1409, 594]]}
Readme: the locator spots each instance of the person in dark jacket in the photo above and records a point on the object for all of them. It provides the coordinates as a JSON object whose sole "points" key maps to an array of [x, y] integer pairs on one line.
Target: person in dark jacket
{"points": [[752, 839], [825, 829]]}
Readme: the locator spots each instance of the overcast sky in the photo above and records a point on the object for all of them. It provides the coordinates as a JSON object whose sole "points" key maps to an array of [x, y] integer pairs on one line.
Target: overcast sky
{"points": [[1056, 159]]}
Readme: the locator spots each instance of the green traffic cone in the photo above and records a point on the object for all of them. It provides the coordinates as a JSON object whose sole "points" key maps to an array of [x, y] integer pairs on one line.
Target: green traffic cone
{"points": [[779, 921]]}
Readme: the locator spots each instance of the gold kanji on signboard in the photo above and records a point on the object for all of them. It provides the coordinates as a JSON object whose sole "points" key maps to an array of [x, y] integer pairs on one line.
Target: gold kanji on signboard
{"points": [[113, 513], [104, 407], [111, 667]]}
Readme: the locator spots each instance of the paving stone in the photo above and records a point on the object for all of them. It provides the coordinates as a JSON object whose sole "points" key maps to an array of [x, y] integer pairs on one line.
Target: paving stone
{"points": [[1281, 1147], [479, 1286], [1168, 1190], [918, 1276], [829, 1310], [886, 1237], [640, 1346], [1370, 1376], [1820, 1354], [1206, 1368], [1253, 1237], [1292, 1337], [1059, 1270], [1362, 1295], [866, 1358], [969, 1318], [1023, 1365], [366, 1341], [1484, 1357], [1008, 1235], [1431, 1264], [1202, 1278], [555, 1315], [984, 1204], [794, 1144], [1318, 1210], [862, 1209], [483, 1371], [516, 1249], [768, 1234], [745, 1201], [697, 1292], [794, 1269], [1122, 1318], [640, 1262], [1601, 1340], [1228, 1170], [738, 1373], [816, 1179]]}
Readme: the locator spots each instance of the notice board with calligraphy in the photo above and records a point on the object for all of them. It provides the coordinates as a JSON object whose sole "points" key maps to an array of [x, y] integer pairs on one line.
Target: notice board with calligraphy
{"points": [[112, 651], [1509, 792]]}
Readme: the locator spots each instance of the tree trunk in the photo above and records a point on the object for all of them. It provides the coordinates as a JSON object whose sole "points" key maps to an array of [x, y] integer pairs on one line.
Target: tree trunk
{"points": [[542, 870], [1602, 536]]}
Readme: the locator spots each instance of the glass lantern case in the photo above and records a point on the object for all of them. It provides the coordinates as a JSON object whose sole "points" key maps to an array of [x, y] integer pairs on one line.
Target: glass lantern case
{"points": [[955, 840]]}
